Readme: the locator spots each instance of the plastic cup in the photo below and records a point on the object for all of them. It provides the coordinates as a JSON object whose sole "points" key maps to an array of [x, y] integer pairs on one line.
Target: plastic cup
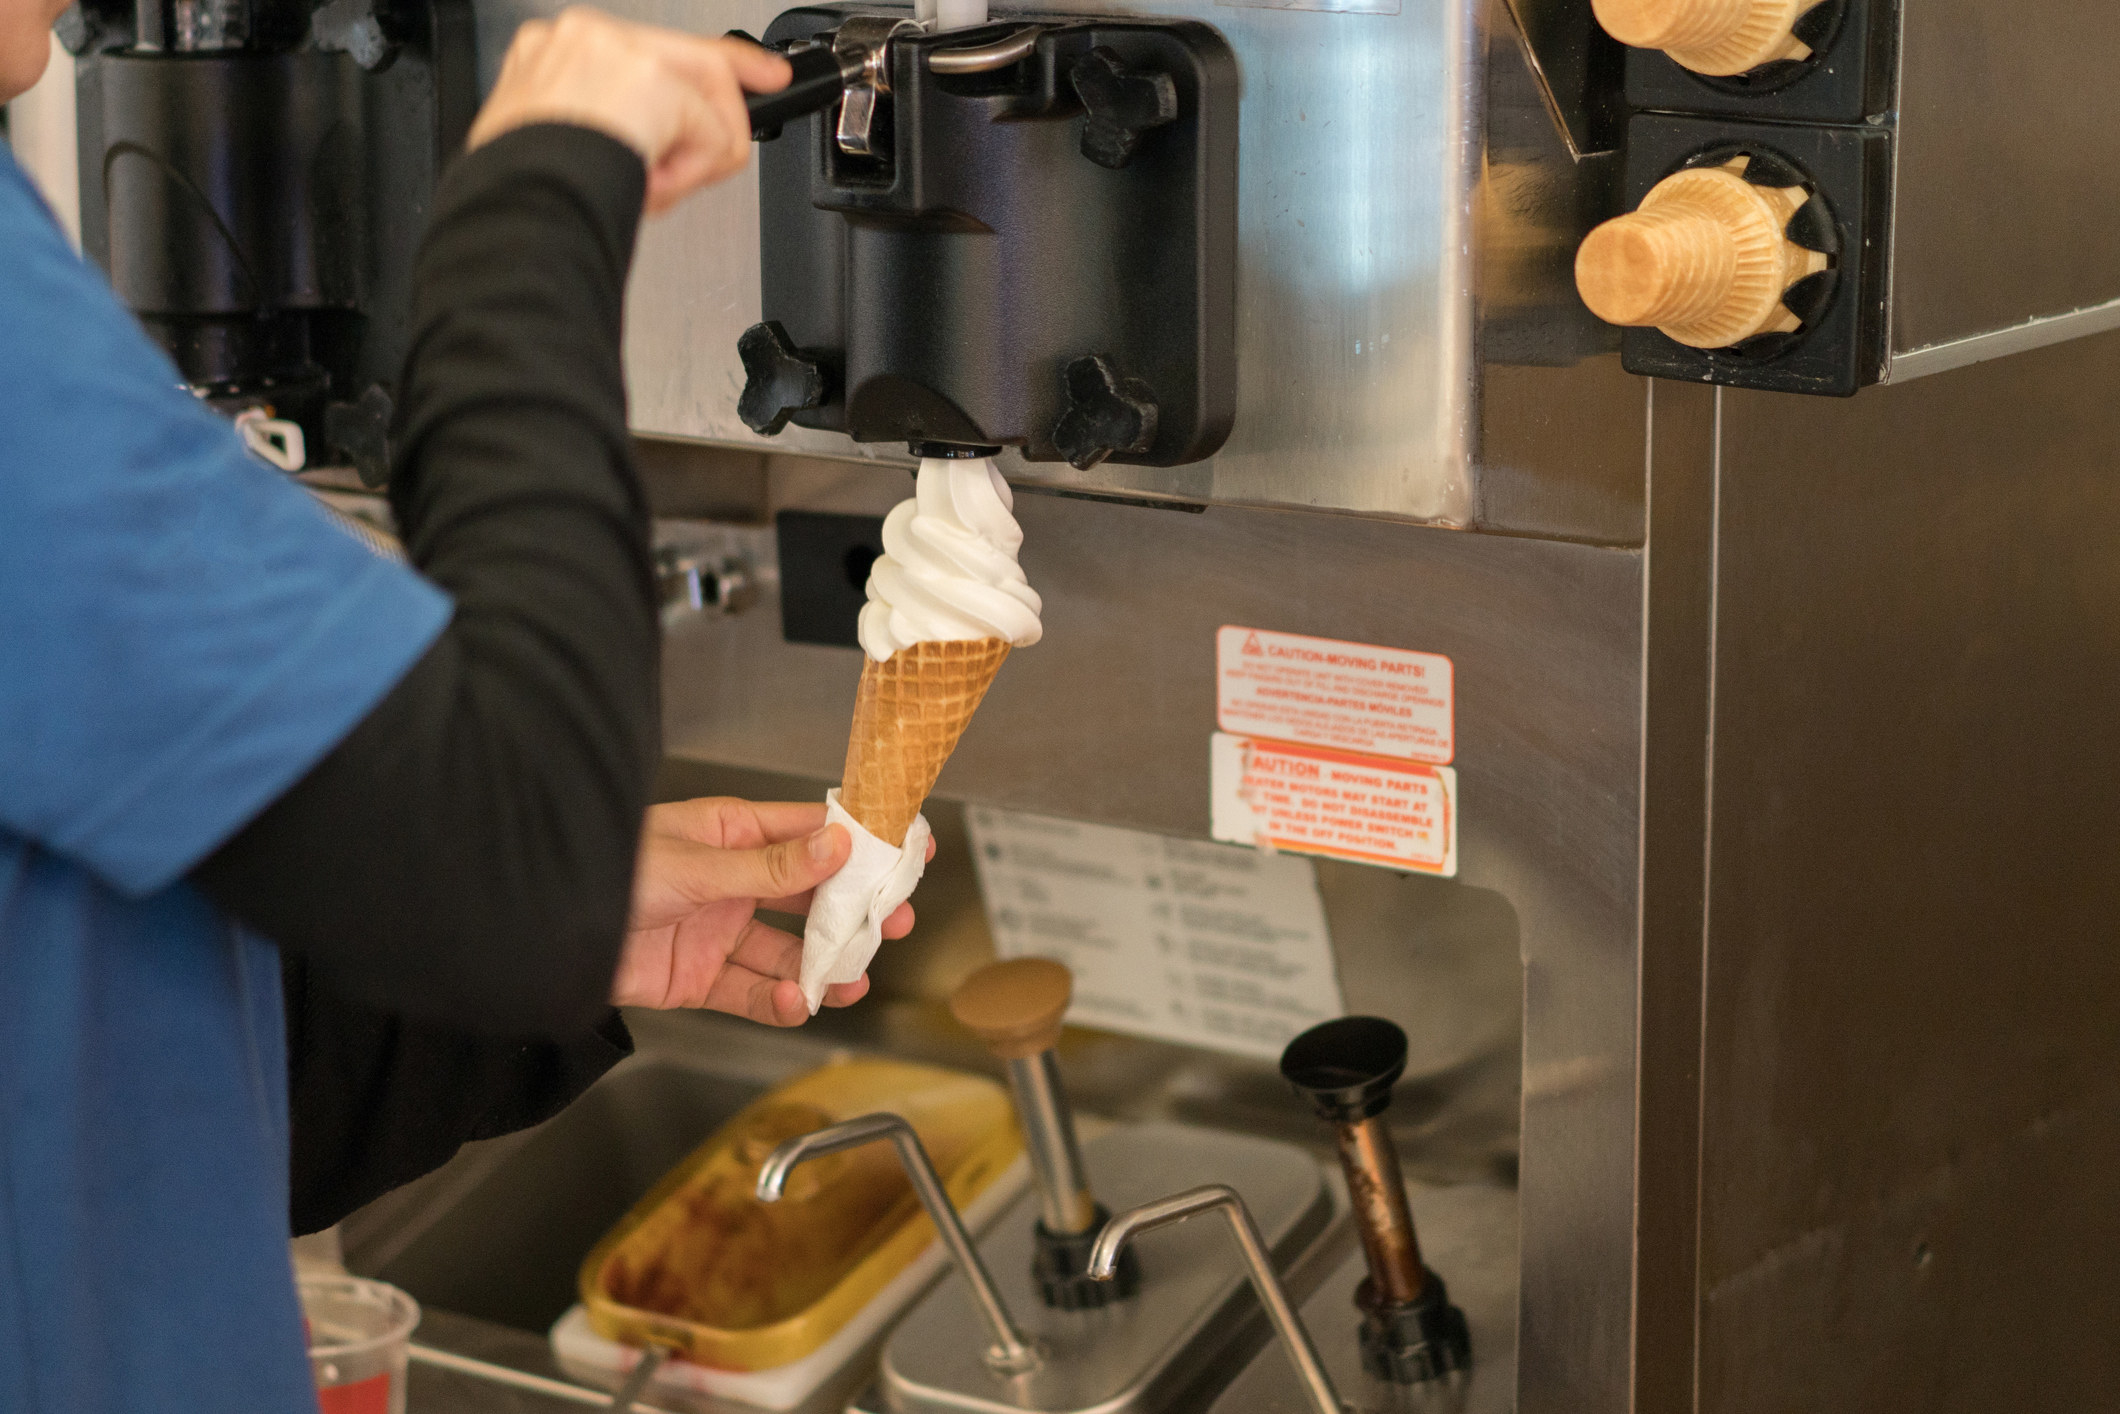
{"points": [[358, 1334]]}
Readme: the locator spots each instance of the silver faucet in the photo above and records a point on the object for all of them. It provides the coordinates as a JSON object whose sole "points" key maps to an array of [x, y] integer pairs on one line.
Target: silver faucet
{"points": [[1104, 1265], [1010, 1353]]}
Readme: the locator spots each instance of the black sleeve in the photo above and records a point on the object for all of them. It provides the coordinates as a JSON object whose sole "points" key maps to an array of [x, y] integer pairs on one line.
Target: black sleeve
{"points": [[376, 1100], [465, 856]]}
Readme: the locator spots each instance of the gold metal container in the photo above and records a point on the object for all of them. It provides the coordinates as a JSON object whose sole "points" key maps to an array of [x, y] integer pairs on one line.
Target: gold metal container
{"points": [[702, 1267]]}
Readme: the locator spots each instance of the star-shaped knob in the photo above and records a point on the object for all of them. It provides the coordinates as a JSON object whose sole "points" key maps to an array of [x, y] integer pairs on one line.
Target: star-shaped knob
{"points": [[778, 380], [1124, 104], [1107, 414]]}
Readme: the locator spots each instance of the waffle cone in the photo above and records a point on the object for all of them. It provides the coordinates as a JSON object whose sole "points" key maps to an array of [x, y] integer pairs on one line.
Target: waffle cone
{"points": [[908, 714]]}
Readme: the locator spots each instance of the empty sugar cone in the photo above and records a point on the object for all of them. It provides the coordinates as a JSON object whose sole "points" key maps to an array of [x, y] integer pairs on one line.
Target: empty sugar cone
{"points": [[908, 714], [1720, 37], [1705, 259]]}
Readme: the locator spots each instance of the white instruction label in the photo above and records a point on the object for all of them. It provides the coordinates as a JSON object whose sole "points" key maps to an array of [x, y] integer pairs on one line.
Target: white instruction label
{"points": [[1370, 809], [1320, 691], [1174, 939]]}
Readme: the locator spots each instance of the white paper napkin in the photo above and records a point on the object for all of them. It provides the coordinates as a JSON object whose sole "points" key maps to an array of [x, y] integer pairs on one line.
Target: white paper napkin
{"points": [[848, 909]]}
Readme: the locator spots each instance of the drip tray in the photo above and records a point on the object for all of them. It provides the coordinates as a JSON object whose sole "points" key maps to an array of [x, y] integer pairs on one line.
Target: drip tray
{"points": [[1195, 1303]]}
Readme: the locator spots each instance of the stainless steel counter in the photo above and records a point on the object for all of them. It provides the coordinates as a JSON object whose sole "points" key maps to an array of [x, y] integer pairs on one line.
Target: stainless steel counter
{"points": [[436, 1388], [490, 1243]]}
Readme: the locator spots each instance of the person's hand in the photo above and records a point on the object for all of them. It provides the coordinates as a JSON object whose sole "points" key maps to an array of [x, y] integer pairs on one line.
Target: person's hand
{"points": [[706, 867], [675, 98]]}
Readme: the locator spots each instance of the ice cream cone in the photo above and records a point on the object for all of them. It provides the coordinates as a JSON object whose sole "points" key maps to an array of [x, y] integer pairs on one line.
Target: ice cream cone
{"points": [[908, 714]]}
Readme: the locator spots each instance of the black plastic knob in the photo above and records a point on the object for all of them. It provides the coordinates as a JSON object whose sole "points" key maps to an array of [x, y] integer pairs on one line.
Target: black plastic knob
{"points": [[1347, 1067], [359, 432], [1060, 1267], [1108, 414], [1124, 105], [819, 80], [1411, 1342], [779, 381]]}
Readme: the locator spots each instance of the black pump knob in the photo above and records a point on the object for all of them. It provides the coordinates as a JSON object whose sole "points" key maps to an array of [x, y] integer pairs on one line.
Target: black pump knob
{"points": [[1347, 1067], [779, 381], [1124, 105]]}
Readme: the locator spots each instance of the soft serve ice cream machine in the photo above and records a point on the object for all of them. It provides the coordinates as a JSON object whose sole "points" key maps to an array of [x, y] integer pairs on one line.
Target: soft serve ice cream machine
{"points": [[951, 254], [1719, 388]]}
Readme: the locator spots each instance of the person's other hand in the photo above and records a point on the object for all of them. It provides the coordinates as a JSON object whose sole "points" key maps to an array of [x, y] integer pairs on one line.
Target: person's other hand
{"points": [[675, 98], [706, 867]]}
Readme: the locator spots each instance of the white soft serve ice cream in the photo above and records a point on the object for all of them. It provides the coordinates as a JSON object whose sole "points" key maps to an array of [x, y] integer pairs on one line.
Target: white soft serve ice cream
{"points": [[948, 568]]}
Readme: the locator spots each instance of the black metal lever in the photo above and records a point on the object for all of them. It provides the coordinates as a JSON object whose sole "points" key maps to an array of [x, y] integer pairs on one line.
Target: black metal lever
{"points": [[821, 75]]}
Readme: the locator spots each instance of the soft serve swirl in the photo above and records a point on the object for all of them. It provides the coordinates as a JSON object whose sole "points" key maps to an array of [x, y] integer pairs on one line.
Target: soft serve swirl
{"points": [[948, 568]]}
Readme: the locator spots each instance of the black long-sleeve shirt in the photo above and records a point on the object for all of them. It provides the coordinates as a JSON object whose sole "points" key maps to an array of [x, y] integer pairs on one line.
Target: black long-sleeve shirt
{"points": [[449, 885]]}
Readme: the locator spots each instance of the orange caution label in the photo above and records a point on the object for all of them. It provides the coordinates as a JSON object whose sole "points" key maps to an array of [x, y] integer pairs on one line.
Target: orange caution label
{"points": [[1343, 804], [1323, 692]]}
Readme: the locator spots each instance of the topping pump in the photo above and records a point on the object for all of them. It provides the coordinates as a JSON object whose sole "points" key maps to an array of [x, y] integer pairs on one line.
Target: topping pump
{"points": [[1015, 1008]]}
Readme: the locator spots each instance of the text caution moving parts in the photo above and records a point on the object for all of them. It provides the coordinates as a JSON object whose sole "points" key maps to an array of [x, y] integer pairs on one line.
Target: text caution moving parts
{"points": [[1338, 749]]}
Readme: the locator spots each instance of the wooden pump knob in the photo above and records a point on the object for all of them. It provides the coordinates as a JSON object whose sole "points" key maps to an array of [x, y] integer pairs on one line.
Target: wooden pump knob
{"points": [[1015, 1006], [1705, 259], [1718, 37]]}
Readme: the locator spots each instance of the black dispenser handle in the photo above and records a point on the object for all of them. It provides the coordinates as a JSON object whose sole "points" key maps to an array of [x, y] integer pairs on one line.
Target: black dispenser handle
{"points": [[820, 78]]}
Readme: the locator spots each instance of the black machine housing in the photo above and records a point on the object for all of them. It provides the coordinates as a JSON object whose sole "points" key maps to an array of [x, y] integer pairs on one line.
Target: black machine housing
{"points": [[1042, 255], [255, 176]]}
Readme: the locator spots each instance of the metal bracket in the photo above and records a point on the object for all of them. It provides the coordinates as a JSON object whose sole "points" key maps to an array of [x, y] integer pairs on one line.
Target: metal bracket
{"points": [[864, 42], [1010, 1352], [1258, 1263]]}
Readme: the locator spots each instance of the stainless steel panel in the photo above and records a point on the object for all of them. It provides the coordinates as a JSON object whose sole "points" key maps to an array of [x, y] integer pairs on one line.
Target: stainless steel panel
{"points": [[1130, 1357], [1468, 1236], [499, 1234], [1361, 141], [1108, 719], [2008, 171], [1909, 1113], [465, 1366], [1677, 721]]}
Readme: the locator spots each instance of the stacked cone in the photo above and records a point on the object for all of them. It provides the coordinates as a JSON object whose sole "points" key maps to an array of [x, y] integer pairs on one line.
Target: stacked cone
{"points": [[908, 714]]}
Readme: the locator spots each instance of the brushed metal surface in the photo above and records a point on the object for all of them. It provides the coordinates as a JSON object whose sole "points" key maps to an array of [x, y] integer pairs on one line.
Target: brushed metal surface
{"points": [[1360, 146], [2008, 168], [1131, 1356], [2001, 343], [1469, 1233], [1109, 717], [1909, 1112], [1677, 726]]}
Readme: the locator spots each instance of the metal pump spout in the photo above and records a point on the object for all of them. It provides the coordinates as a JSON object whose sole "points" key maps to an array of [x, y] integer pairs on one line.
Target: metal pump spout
{"points": [[1011, 1352], [1111, 1248], [1016, 1007], [1410, 1331]]}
